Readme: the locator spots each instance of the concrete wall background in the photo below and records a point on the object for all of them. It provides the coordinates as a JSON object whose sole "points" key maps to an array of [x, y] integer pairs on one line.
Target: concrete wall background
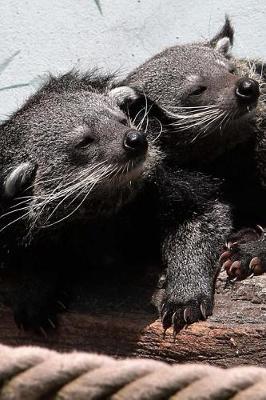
{"points": [[54, 36]]}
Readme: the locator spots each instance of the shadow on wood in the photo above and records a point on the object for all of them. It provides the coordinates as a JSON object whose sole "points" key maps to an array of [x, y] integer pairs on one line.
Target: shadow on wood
{"points": [[121, 322]]}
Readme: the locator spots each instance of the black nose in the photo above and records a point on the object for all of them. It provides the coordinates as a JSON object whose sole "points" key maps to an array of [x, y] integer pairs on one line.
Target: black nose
{"points": [[135, 142], [247, 90]]}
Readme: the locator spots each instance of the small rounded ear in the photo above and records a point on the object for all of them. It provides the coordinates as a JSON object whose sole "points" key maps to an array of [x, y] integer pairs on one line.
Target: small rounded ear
{"points": [[137, 105], [224, 39], [223, 46], [18, 179], [124, 95]]}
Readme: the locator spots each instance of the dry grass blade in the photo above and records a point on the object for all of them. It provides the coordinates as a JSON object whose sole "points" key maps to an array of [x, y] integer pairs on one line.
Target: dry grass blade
{"points": [[98, 4]]}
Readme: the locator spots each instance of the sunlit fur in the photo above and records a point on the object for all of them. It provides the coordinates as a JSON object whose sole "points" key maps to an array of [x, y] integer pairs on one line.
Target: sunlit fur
{"points": [[65, 189]]}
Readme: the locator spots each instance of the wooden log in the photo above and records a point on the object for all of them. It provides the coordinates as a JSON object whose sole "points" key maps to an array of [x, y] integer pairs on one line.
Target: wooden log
{"points": [[128, 327]]}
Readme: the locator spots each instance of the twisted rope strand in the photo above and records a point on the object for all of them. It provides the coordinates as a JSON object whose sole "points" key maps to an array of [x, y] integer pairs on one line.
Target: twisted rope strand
{"points": [[31, 373]]}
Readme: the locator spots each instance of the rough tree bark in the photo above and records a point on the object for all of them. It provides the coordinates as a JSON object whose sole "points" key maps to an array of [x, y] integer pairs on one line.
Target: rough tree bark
{"points": [[128, 326]]}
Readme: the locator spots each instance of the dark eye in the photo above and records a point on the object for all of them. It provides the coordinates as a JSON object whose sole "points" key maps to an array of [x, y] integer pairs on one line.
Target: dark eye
{"points": [[85, 142], [232, 70], [198, 91], [123, 121]]}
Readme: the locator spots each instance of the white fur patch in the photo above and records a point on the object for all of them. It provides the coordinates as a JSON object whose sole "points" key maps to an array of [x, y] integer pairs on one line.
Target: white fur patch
{"points": [[223, 45], [220, 62], [16, 179], [122, 94], [193, 78]]}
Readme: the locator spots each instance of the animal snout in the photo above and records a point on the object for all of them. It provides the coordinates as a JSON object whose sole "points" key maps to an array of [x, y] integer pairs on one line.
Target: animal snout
{"points": [[247, 90], [135, 142]]}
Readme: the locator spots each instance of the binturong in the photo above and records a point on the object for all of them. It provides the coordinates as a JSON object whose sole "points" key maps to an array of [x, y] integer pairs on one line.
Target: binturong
{"points": [[215, 125], [210, 108], [245, 250], [83, 185], [68, 156]]}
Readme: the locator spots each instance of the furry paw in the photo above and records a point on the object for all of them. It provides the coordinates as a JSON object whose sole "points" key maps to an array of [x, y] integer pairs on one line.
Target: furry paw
{"points": [[36, 318], [180, 314], [243, 260]]}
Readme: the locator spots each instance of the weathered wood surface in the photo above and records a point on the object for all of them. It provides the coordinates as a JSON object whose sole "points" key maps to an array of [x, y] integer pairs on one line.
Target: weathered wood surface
{"points": [[235, 334]]}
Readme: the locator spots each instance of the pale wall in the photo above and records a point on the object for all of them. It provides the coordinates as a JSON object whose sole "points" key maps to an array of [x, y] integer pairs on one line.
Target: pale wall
{"points": [[57, 35]]}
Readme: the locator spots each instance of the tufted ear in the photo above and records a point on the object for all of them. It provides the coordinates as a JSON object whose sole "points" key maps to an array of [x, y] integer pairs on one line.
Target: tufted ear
{"points": [[137, 105], [18, 179], [124, 95], [224, 39]]}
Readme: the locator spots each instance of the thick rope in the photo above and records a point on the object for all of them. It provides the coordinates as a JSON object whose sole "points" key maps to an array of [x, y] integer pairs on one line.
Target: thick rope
{"points": [[31, 373]]}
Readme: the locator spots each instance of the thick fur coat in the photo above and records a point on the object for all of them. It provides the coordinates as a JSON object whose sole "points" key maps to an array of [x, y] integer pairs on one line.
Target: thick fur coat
{"points": [[82, 187]]}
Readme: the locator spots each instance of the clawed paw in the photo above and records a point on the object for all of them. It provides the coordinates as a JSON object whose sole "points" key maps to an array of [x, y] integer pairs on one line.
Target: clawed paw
{"points": [[244, 259], [180, 315], [238, 268], [39, 318]]}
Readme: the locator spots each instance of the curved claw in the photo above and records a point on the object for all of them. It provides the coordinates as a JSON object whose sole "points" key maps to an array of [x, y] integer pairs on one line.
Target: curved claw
{"points": [[235, 269], [203, 310], [61, 304], [226, 265], [229, 245], [166, 321], [43, 332], [51, 322], [255, 266], [186, 315], [224, 256], [173, 318], [261, 232]]}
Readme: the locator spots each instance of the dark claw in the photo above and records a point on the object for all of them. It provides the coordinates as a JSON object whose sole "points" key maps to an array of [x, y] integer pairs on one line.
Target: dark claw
{"points": [[178, 321], [224, 256], [261, 232], [180, 314], [186, 316], [203, 311], [226, 265], [173, 319], [51, 322], [174, 335], [235, 269], [162, 307], [166, 320], [61, 304], [245, 254], [229, 245], [255, 266], [42, 330]]}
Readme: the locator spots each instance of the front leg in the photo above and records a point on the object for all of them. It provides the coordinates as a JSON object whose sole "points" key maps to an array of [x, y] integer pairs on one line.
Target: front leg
{"points": [[190, 253], [38, 298], [35, 304]]}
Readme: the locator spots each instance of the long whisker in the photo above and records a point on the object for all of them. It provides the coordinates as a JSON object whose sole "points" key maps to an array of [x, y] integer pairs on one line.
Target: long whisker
{"points": [[80, 204], [42, 201], [82, 184]]}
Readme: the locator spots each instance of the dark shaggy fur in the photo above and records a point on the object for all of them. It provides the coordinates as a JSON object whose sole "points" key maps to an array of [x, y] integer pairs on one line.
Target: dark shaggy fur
{"points": [[245, 254], [212, 126], [80, 189]]}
